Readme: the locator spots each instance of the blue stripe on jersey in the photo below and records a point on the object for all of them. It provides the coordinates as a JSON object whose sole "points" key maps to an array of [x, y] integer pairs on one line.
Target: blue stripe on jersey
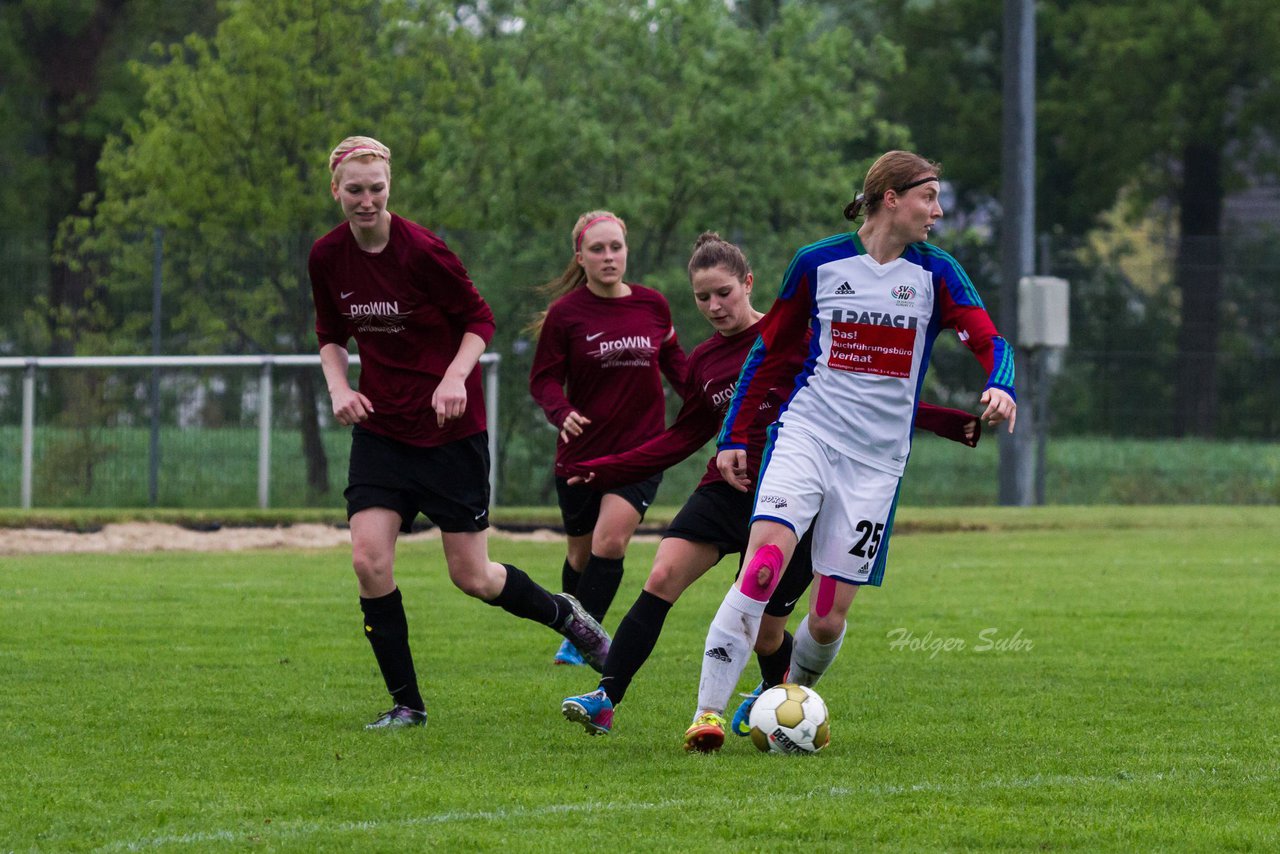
{"points": [[942, 265], [803, 269], [1003, 374], [799, 272], [749, 365], [815, 254], [882, 555], [771, 435], [945, 268]]}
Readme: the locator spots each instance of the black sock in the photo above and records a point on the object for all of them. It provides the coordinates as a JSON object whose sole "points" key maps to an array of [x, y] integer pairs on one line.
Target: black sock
{"points": [[387, 629], [599, 584], [569, 578], [634, 640], [524, 597], [773, 667]]}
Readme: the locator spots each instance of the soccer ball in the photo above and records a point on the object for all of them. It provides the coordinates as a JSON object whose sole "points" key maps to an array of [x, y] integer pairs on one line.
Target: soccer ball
{"points": [[789, 719]]}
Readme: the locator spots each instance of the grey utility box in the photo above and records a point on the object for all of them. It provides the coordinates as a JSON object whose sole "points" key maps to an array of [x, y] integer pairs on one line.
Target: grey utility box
{"points": [[1043, 319]]}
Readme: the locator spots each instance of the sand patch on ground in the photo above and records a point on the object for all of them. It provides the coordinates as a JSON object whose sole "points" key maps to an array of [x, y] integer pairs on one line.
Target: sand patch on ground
{"points": [[155, 536]]}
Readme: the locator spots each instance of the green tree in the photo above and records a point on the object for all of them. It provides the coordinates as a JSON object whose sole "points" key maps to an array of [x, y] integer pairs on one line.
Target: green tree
{"points": [[1171, 101], [505, 121], [64, 87], [229, 158], [1177, 98], [674, 113]]}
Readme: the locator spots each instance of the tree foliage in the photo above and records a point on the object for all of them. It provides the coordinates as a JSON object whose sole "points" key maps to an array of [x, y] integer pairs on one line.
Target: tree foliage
{"points": [[505, 121], [65, 86], [1199, 78], [1170, 101]]}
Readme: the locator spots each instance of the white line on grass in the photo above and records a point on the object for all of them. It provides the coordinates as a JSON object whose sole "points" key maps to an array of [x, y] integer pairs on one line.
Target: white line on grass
{"points": [[279, 832]]}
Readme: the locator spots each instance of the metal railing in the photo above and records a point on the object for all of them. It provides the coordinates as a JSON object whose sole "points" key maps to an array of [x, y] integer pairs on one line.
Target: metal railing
{"points": [[32, 364]]}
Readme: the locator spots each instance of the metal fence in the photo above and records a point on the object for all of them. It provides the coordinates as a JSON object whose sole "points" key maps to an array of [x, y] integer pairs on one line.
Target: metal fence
{"points": [[181, 425]]}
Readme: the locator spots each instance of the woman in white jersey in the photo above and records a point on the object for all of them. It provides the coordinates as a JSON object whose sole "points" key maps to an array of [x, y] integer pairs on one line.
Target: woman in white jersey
{"points": [[874, 301]]}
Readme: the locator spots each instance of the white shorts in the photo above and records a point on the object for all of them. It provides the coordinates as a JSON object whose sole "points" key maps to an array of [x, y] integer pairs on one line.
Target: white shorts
{"points": [[851, 505]]}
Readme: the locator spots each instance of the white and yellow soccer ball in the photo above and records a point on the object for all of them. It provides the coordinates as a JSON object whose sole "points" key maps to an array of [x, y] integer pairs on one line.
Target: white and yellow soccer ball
{"points": [[790, 719]]}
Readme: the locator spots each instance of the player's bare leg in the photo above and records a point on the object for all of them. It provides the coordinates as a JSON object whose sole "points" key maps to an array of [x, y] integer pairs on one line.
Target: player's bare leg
{"points": [[820, 634]]}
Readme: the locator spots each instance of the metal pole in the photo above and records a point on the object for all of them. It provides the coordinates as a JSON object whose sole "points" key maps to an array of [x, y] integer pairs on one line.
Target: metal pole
{"points": [[1017, 232], [1038, 360], [153, 474], [28, 431], [264, 435], [491, 410]]}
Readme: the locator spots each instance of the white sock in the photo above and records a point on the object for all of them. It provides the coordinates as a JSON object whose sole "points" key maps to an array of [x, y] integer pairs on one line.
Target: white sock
{"points": [[810, 659], [728, 649]]}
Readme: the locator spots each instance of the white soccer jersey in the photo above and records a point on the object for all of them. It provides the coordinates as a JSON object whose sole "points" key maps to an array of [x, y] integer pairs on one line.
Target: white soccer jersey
{"points": [[868, 329]]}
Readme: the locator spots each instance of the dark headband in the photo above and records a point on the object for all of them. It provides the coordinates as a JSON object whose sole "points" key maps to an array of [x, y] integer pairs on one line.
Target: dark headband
{"points": [[916, 183]]}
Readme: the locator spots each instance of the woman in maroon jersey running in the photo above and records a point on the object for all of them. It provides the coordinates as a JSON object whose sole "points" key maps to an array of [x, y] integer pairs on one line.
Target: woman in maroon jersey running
{"points": [[714, 521], [418, 442], [603, 347]]}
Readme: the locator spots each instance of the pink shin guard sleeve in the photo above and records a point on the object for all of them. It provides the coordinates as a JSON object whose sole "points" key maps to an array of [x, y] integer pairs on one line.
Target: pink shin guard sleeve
{"points": [[767, 561], [826, 595]]}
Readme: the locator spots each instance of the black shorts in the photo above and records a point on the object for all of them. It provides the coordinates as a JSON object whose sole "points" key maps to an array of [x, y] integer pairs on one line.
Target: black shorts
{"points": [[580, 505], [719, 515], [449, 484]]}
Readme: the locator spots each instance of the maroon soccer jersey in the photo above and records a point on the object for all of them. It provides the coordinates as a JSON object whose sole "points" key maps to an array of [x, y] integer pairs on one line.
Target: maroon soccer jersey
{"points": [[605, 358], [407, 307], [713, 375]]}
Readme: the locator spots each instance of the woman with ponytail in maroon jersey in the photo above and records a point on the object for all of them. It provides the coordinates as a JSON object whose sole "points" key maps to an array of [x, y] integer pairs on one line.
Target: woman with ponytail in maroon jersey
{"points": [[604, 346]]}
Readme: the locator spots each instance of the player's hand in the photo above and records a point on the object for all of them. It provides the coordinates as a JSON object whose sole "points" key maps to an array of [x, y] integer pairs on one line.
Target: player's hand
{"points": [[1000, 407], [972, 430], [572, 426], [579, 479], [732, 463], [350, 406], [449, 400]]}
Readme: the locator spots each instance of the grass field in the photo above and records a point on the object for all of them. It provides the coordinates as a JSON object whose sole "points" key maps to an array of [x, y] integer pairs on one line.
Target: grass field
{"points": [[1116, 690]]}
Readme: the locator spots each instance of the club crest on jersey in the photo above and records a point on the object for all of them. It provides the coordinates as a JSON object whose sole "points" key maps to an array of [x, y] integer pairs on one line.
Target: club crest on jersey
{"points": [[903, 293]]}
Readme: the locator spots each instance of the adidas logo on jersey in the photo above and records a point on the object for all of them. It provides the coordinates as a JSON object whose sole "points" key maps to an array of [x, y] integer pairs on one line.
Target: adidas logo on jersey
{"points": [[718, 654], [845, 288]]}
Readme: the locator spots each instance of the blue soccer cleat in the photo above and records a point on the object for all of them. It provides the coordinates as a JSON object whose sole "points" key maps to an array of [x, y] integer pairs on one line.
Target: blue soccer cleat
{"points": [[741, 724], [568, 654], [594, 711]]}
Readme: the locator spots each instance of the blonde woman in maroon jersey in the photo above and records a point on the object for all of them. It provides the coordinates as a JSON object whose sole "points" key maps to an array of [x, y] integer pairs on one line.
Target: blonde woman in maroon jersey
{"points": [[418, 440], [604, 346]]}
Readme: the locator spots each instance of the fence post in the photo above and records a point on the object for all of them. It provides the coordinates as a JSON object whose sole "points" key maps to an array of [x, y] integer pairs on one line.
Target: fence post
{"points": [[153, 471], [491, 415], [28, 430], [264, 435]]}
